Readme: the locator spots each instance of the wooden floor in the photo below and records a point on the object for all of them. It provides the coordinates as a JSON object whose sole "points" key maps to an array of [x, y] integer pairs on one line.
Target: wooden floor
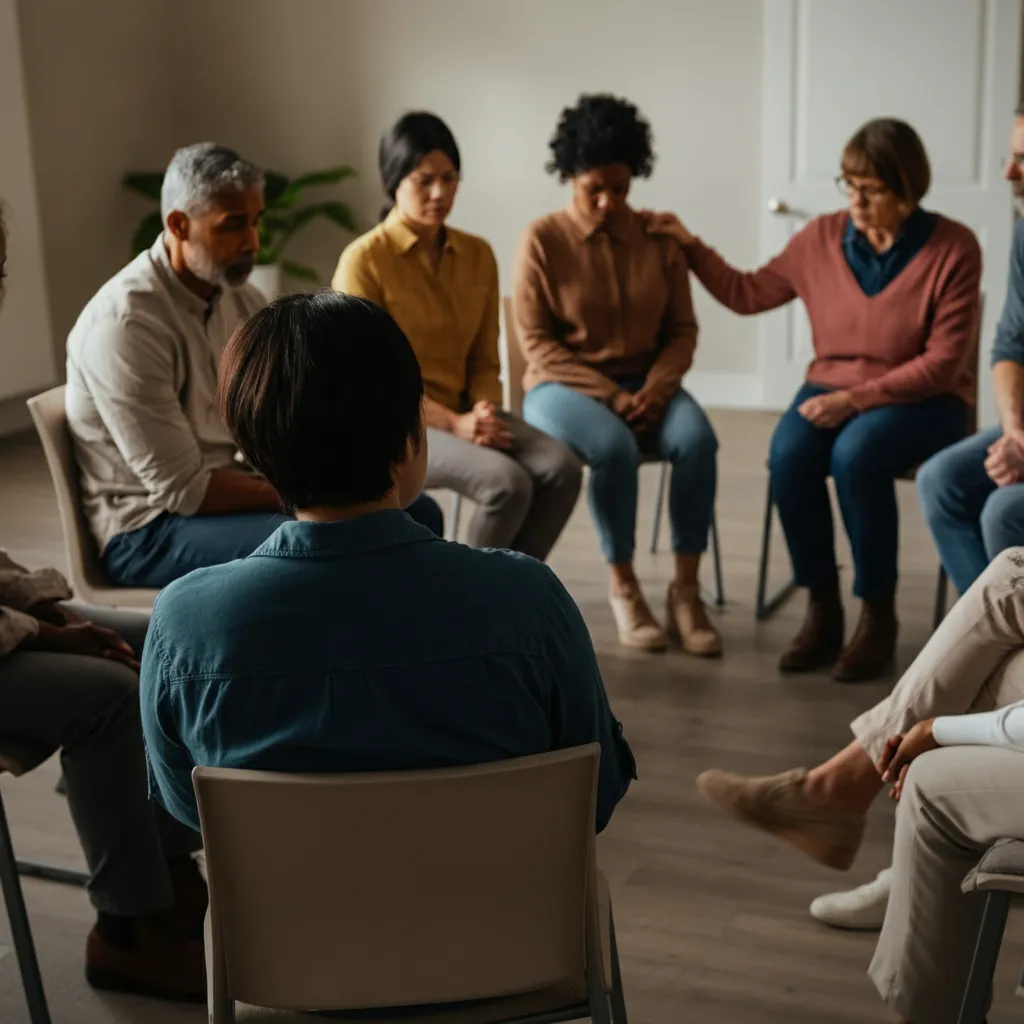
{"points": [[712, 919]]}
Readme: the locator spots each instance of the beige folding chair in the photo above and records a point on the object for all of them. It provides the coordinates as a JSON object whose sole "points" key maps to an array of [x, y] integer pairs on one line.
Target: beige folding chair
{"points": [[460, 895], [90, 582]]}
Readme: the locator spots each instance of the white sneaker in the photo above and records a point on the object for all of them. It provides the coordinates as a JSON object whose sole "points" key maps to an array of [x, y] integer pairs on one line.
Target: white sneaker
{"points": [[860, 909]]}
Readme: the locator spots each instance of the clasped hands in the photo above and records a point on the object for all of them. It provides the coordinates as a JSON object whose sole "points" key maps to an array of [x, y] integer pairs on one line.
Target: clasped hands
{"points": [[1005, 461], [63, 632], [483, 426]]}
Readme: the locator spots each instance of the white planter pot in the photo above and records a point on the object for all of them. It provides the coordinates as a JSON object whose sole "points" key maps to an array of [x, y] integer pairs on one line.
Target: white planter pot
{"points": [[267, 277]]}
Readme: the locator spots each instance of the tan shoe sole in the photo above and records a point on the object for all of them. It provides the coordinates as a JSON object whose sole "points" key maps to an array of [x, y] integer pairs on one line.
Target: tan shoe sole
{"points": [[713, 650]]}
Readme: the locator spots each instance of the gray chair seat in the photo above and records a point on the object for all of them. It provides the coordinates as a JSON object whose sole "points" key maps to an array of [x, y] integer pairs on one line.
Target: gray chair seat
{"points": [[1001, 869]]}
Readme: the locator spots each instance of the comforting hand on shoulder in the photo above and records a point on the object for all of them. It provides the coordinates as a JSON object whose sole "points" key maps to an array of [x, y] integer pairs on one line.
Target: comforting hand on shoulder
{"points": [[659, 223]]}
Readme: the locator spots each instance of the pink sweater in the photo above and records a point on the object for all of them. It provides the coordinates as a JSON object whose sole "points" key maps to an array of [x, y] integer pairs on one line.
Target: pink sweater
{"points": [[913, 340]]}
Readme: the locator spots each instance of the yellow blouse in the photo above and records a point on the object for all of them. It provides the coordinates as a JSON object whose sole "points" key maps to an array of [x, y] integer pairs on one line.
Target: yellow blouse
{"points": [[450, 315]]}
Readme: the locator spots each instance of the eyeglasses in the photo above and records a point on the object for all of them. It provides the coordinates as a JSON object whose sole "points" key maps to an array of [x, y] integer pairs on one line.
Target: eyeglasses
{"points": [[869, 193]]}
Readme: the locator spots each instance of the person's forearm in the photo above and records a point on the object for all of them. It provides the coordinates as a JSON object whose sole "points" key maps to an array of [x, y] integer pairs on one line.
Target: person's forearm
{"points": [[230, 490], [438, 416], [1008, 387]]}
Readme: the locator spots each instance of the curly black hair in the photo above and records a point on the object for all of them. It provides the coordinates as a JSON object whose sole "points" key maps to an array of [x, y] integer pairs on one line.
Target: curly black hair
{"points": [[600, 130]]}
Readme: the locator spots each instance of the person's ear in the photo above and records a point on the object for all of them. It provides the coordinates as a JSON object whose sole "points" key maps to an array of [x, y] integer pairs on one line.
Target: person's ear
{"points": [[178, 225]]}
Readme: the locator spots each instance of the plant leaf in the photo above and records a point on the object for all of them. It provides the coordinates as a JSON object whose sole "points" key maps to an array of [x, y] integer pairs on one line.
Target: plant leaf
{"points": [[144, 183], [287, 197], [337, 212], [330, 176], [147, 232], [300, 270]]}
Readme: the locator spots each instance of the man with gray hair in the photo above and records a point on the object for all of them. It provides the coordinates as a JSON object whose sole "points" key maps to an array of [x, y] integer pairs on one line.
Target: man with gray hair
{"points": [[160, 484]]}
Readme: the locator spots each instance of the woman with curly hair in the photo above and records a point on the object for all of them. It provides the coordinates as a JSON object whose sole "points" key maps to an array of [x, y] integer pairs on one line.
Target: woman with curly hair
{"points": [[441, 285], [604, 317], [892, 291]]}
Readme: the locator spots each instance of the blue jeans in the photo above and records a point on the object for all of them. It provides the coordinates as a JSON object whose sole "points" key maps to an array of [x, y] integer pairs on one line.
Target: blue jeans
{"points": [[863, 456], [172, 546], [604, 441], [971, 519]]}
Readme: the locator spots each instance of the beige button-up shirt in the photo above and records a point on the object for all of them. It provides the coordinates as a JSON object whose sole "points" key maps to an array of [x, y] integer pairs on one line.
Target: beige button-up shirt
{"points": [[141, 393]]}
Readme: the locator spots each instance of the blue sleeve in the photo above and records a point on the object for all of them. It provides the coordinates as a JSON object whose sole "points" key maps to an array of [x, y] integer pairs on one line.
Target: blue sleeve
{"points": [[1009, 343], [168, 762], [580, 712]]}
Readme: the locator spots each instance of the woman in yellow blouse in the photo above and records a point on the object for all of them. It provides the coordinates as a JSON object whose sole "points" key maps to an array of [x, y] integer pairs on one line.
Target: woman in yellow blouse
{"points": [[441, 286]]}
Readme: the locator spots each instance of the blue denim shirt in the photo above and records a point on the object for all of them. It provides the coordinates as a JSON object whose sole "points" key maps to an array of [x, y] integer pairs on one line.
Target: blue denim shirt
{"points": [[369, 645], [874, 270], [1009, 343]]}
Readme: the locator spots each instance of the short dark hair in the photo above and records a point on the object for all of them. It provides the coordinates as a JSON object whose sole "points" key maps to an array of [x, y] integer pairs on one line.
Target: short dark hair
{"points": [[407, 142], [890, 150], [322, 394], [600, 130]]}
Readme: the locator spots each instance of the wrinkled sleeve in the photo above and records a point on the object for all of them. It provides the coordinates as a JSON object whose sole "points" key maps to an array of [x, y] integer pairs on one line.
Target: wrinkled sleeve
{"points": [[15, 628]]}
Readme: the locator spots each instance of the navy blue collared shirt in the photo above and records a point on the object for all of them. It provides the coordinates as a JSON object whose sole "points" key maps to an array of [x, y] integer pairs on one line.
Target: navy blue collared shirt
{"points": [[874, 270], [369, 645]]}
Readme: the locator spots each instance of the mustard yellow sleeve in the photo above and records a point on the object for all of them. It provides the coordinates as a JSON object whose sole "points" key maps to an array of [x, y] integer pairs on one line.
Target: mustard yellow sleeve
{"points": [[483, 373], [356, 275]]}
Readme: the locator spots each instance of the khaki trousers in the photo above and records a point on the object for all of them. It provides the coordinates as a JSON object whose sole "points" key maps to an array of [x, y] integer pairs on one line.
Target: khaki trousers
{"points": [[957, 800]]}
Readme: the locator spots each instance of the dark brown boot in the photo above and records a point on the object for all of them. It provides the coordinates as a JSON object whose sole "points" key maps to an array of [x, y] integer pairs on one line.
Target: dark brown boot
{"points": [[872, 645], [821, 637], [152, 963]]}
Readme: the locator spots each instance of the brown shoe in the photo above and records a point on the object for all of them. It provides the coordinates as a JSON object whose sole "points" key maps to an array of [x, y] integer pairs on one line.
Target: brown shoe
{"points": [[158, 964], [821, 636], [688, 622], [635, 622], [777, 804], [186, 919], [873, 644]]}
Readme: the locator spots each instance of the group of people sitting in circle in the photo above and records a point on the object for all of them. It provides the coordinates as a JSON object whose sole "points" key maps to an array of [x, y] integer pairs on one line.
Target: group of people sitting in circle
{"points": [[266, 466]]}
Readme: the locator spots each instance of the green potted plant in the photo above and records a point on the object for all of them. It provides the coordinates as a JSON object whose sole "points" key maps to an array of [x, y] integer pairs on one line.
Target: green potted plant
{"points": [[282, 219]]}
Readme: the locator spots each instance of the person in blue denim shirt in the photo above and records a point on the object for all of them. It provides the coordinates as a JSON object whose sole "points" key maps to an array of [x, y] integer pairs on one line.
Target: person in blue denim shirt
{"points": [[354, 639], [972, 493]]}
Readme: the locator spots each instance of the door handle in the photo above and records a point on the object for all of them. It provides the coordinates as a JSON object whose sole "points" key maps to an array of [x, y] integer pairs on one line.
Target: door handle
{"points": [[778, 206]]}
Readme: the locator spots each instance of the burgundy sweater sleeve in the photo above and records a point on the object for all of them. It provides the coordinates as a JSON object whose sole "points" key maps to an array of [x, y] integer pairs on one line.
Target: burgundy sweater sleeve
{"points": [[936, 370], [748, 291]]}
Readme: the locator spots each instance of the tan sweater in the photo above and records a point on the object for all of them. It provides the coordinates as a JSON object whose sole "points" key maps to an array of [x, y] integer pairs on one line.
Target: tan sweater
{"points": [[596, 305]]}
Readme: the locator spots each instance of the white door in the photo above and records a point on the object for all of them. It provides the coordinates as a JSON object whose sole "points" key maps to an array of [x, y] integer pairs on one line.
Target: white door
{"points": [[948, 67]]}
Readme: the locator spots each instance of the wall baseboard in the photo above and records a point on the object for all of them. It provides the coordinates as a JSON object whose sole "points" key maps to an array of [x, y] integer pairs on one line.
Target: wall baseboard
{"points": [[721, 390]]}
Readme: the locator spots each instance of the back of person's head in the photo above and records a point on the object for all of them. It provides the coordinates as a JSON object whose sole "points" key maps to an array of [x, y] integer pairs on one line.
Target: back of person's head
{"points": [[323, 396], [197, 174], [404, 145]]}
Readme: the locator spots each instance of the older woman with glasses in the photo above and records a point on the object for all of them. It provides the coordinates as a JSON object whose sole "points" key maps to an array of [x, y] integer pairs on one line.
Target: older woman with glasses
{"points": [[892, 291]]}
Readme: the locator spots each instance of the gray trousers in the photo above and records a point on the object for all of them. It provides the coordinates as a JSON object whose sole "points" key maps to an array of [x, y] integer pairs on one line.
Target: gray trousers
{"points": [[957, 800], [524, 496], [89, 708]]}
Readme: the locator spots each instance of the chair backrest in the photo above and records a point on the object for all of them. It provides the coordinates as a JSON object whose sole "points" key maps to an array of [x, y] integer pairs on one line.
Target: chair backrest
{"points": [[400, 888], [513, 363], [51, 423]]}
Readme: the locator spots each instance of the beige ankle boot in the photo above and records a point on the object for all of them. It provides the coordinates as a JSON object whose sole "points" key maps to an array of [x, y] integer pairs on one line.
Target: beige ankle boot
{"points": [[637, 627], [688, 622]]}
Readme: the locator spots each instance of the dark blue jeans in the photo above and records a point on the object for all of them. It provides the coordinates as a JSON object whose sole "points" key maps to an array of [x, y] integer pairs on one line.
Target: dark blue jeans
{"points": [[864, 457], [172, 546]]}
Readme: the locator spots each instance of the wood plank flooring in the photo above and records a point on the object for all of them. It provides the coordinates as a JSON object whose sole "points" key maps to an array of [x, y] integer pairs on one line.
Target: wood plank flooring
{"points": [[712, 919]]}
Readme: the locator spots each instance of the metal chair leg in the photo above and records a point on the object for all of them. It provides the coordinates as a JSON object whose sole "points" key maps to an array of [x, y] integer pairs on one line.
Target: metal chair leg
{"points": [[52, 873], [456, 513], [659, 505], [618, 999], [765, 607], [21, 933], [940, 597], [986, 953]]}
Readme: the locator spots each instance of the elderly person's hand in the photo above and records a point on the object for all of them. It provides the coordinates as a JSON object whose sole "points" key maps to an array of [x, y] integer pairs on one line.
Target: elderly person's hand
{"points": [[1005, 461], [901, 751], [828, 411]]}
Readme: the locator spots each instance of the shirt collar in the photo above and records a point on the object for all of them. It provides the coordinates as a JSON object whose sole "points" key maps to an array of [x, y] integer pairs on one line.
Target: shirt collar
{"points": [[619, 229], [917, 225], [372, 532], [403, 238], [174, 284]]}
